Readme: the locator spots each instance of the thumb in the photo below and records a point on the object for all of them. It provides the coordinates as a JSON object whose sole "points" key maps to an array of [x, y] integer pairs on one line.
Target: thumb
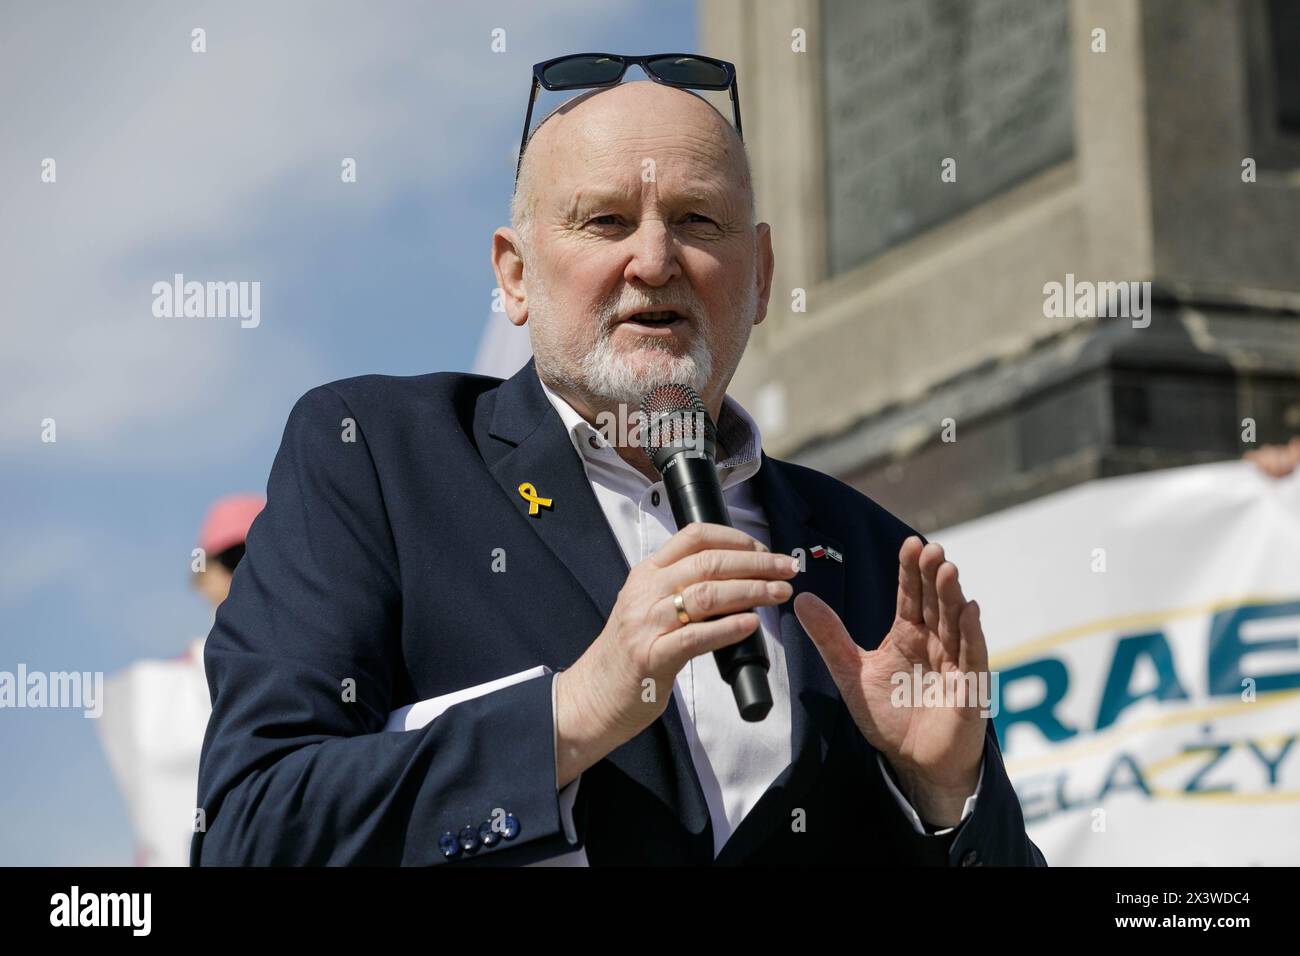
{"points": [[827, 631]]}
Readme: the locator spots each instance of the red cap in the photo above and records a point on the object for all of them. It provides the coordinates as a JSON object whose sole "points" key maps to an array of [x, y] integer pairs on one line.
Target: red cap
{"points": [[228, 521]]}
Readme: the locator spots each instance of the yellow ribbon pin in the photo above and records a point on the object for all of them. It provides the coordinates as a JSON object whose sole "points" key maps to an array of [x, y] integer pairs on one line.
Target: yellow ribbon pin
{"points": [[529, 494]]}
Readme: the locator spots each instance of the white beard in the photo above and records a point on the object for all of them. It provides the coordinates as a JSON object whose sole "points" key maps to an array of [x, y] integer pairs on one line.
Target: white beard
{"points": [[626, 375]]}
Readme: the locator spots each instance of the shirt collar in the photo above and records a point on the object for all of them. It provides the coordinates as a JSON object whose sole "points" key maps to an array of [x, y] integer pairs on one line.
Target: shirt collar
{"points": [[739, 441]]}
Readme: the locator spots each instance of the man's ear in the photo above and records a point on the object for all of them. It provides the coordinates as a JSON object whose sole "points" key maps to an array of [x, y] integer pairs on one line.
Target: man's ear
{"points": [[508, 264], [766, 263]]}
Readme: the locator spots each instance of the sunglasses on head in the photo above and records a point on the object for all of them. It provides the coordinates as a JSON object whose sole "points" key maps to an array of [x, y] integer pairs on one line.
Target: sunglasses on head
{"points": [[579, 71]]}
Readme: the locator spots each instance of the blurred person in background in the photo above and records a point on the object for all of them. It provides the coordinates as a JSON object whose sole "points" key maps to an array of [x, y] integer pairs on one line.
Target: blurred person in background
{"points": [[156, 711]]}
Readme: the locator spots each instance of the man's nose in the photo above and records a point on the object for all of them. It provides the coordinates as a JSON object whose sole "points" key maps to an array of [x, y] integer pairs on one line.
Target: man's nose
{"points": [[654, 254]]}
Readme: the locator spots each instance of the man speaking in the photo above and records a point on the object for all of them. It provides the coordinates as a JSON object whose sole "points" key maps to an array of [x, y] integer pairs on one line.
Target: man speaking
{"points": [[502, 555]]}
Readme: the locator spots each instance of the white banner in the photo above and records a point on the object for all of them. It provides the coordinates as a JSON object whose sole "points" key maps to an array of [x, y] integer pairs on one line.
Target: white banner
{"points": [[1146, 634]]}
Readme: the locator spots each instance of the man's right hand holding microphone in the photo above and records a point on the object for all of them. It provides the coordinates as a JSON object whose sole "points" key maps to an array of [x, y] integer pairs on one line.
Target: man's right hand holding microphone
{"points": [[721, 573]]}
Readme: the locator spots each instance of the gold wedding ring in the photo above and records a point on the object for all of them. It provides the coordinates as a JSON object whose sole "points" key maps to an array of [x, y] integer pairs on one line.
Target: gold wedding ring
{"points": [[680, 604]]}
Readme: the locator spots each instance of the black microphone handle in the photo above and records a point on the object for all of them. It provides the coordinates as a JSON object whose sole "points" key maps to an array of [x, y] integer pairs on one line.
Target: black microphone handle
{"points": [[691, 482]]}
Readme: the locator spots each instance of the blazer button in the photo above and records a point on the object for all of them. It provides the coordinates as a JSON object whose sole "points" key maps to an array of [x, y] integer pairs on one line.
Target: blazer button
{"points": [[468, 839], [970, 858], [448, 845], [511, 826], [489, 836]]}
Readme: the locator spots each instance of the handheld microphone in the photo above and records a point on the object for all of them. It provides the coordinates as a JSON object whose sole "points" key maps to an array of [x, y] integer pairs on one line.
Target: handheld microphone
{"points": [[681, 441]]}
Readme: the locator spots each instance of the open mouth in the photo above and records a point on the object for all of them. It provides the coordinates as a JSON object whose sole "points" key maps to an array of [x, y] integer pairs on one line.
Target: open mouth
{"points": [[656, 321]]}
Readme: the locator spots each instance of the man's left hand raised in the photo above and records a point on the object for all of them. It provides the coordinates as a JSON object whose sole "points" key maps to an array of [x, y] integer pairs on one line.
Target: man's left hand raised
{"points": [[934, 750]]}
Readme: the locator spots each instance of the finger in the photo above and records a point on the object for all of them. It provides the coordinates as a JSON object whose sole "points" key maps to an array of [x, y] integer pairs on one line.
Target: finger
{"points": [[717, 565], [827, 631], [909, 581], [951, 603], [702, 637], [699, 535], [974, 656], [931, 558], [711, 599]]}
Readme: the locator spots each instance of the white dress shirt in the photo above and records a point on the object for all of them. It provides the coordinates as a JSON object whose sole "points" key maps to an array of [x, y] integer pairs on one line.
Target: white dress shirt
{"points": [[736, 761]]}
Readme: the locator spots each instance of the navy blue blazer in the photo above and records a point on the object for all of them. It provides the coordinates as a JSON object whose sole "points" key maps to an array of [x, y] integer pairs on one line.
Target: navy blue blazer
{"points": [[368, 584]]}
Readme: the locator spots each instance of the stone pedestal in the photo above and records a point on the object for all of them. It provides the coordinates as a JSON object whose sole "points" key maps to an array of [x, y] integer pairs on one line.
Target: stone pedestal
{"points": [[925, 297]]}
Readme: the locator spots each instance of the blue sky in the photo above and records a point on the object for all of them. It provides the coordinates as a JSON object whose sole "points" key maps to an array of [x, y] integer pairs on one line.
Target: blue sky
{"points": [[223, 165]]}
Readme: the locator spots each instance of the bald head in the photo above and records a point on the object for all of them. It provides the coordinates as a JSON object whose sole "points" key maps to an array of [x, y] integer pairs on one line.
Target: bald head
{"points": [[595, 121]]}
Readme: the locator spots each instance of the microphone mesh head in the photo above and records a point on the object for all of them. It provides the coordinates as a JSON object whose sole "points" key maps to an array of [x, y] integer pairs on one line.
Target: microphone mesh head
{"points": [[674, 417]]}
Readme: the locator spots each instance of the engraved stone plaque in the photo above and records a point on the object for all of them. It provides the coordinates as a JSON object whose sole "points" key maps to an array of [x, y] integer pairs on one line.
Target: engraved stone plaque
{"points": [[910, 83]]}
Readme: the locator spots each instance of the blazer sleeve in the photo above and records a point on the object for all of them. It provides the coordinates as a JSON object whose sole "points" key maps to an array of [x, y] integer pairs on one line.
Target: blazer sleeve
{"points": [[302, 663], [994, 833]]}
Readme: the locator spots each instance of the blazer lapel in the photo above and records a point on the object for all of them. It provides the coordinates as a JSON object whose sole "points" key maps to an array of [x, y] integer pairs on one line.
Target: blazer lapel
{"points": [[815, 704], [537, 449], [573, 525]]}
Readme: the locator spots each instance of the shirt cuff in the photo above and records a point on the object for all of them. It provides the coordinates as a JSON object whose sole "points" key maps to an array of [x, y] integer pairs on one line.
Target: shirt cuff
{"points": [[967, 809], [568, 794]]}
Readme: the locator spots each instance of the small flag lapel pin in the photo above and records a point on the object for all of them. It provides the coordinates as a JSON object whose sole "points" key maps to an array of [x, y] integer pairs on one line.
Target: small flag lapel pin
{"points": [[535, 501], [817, 551], [835, 555]]}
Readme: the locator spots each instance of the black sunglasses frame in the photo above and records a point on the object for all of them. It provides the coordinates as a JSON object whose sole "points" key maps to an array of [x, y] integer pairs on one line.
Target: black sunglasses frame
{"points": [[539, 81]]}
